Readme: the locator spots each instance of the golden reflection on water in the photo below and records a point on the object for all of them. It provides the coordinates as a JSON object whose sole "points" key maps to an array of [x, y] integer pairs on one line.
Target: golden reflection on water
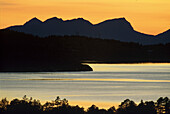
{"points": [[124, 80], [93, 79], [152, 67]]}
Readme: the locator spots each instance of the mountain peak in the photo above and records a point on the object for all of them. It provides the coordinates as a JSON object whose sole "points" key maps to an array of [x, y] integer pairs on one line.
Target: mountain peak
{"points": [[82, 19], [118, 23], [34, 18], [118, 20], [33, 21], [53, 19], [121, 18]]}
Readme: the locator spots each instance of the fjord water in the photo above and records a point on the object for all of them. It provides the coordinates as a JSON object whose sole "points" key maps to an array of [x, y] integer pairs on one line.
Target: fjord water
{"points": [[108, 83]]}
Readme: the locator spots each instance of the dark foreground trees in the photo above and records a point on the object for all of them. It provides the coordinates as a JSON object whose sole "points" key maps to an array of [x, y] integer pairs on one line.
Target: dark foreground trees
{"points": [[61, 106], [25, 53]]}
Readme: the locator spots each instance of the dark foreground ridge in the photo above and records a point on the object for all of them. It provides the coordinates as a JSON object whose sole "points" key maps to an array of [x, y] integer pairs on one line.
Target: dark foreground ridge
{"points": [[24, 52], [61, 106]]}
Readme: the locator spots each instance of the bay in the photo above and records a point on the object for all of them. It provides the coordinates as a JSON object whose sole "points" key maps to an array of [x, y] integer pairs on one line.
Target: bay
{"points": [[107, 85]]}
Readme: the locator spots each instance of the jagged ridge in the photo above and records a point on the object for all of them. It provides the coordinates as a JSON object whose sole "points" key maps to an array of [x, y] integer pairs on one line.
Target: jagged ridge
{"points": [[118, 29]]}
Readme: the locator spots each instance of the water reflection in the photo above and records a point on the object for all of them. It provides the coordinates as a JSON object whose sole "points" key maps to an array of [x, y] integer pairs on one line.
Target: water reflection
{"points": [[146, 67], [112, 85], [101, 80]]}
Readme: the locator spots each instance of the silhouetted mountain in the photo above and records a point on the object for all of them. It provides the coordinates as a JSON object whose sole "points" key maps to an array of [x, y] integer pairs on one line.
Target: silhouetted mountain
{"points": [[32, 22], [164, 37], [117, 29]]}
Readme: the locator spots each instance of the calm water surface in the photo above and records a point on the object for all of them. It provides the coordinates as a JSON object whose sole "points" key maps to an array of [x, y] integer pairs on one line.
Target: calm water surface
{"points": [[108, 83]]}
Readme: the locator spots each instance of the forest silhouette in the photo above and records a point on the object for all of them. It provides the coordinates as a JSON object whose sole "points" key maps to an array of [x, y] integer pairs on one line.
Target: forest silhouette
{"points": [[61, 106], [25, 52]]}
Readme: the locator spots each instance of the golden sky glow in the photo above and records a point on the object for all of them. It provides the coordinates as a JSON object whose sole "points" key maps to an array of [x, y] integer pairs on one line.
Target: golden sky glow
{"points": [[87, 104], [147, 16]]}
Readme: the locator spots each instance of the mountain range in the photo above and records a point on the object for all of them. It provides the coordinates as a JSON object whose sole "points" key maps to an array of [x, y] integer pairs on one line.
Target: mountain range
{"points": [[117, 29]]}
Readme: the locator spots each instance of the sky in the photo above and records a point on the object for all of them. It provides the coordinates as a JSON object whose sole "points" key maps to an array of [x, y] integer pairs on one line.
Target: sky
{"points": [[146, 16]]}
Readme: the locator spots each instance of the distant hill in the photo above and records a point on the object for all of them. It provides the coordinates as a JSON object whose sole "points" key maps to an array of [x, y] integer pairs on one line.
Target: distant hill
{"points": [[25, 52], [117, 29], [22, 52]]}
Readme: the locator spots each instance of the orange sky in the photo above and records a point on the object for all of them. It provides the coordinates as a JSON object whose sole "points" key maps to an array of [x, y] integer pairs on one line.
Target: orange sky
{"points": [[147, 16]]}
